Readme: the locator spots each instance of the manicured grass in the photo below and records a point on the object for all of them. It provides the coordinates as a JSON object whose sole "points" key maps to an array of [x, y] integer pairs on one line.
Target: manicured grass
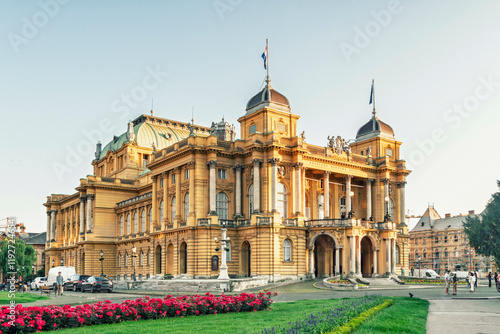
{"points": [[279, 314], [405, 315], [20, 297]]}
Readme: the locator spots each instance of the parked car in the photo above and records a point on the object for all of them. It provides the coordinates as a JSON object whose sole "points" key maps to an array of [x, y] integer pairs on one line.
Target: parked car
{"points": [[75, 282], [426, 273], [66, 272], [38, 282], [97, 284]]}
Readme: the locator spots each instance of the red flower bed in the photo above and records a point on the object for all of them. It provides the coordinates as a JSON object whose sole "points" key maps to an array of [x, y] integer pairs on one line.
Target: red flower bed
{"points": [[34, 319]]}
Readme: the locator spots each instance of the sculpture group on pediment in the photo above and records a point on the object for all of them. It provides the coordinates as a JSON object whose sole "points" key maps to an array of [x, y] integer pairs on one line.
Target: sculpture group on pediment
{"points": [[339, 145]]}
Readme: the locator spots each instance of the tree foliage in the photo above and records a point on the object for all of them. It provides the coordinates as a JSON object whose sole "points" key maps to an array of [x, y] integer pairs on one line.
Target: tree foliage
{"points": [[483, 231], [22, 257]]}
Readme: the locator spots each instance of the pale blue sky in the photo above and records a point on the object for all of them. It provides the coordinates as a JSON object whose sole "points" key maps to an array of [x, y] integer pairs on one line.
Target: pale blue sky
{"points": [[72, 72]]}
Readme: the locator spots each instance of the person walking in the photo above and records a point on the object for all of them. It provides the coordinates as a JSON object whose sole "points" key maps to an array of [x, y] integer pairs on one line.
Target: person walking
{"points": [[59, 281], [468, 280], [489, 279], [413, 271], [472, 281], [455, 283], [496, 279], [477, 279], [447, 283]]}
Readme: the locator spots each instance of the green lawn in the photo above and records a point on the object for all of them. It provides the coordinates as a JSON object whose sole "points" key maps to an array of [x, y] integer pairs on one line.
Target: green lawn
{"points": [[406, 315], [20, 298], [249, 322]]}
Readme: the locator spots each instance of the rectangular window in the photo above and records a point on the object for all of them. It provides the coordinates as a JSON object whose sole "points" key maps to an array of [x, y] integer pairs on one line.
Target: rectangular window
{"points": [[252, 129], [145, 159], [186, 174], [221, 173], [174, 177], [161, 183]]}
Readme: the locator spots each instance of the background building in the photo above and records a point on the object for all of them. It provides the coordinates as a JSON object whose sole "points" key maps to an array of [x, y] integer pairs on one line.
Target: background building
{"points": [[164, 189], [441, 243]]}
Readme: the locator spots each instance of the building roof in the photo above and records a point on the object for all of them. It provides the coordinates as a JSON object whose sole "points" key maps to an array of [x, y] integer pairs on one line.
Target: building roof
{"points": [[267, 96], [375, 128], [432, 220], [36, 238]]}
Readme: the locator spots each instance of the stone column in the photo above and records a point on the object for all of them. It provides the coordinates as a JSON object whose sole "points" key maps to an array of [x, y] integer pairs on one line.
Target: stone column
{"points": [[358, 256], [237, 195], [179, 200], [311, 262], [192, 192], [274, 184], [394, 260], [337, 259], [48, 227], [303, 188], [352, 256], [402, 200], [256, 184], [388, 256], [368, 183], [53, 235], [386, 194], [211, 185], [82, 214], [90, 214], [154, 204], [165, 201], [348, 195], [375, 257], [298, 191], [326, 193]]}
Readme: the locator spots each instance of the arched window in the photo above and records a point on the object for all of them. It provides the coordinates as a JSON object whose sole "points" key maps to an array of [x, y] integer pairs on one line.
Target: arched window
{"points": [[250, 200], [174, 207], [282, 202], [186, 206], [342, 207], [128, 223], [141, 259], [126, 260], [287, 250], [148, 258], [221, 205], [321, 206], [396, 256], [119, 260], [121, 225], [228, 252], [150, 218], [143, 221], [161, 210], [136, 221]]}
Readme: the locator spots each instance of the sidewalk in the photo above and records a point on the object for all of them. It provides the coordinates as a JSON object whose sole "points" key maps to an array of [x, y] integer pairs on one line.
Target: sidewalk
{"points": [[467, 315]]}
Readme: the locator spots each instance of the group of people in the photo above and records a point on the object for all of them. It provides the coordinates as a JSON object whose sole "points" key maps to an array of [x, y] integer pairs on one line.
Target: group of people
{"points": [[448, 280], [472, 278], [495, 276]]}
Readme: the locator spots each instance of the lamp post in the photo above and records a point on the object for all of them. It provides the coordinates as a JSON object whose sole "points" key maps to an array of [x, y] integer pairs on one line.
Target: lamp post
{"points": [[134, 255], [53, 263], [62, 262], [101, 253], [350, 214], [32, 272], [418, 263], [224, 242], [387, 217]]}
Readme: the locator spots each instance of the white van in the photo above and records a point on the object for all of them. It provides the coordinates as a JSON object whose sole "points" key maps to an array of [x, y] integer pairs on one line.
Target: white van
{"points": [[427, 273], [66, 272]]}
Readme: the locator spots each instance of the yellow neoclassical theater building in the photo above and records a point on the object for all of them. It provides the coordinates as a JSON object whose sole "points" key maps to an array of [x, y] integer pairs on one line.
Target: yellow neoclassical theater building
{"points": [[163, 190]]}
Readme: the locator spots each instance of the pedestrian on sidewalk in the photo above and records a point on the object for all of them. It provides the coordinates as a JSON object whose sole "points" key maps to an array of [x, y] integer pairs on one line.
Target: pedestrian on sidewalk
{"points": [[455, 282], [472, 280], [447, 283], [489, 279], [468, 280], [59, 282], [413, 271], [496, 279]]}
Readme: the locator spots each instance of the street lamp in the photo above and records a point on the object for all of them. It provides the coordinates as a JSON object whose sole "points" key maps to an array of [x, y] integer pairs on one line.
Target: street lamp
{"points": [[62, 262], [387, 217], [134, 255], [224, 242], [351, 213], [53, 263], [101, 253], [32, 272], [418, 263]]}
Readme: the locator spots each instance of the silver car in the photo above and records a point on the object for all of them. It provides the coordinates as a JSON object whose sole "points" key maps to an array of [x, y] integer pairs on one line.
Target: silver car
{"points": [[38, 282]]}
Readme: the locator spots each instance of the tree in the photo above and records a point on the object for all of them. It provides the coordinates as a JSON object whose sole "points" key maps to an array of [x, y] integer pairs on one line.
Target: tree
{"points": [[483, 231], [22, 257]]}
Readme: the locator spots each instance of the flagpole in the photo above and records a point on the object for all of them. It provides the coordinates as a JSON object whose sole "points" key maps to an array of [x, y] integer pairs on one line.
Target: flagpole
{"points": [[373, 88], [267, 59]]}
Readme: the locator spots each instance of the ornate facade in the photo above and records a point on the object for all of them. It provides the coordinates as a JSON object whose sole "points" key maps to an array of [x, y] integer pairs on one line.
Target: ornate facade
{"points": [[292, 209]]}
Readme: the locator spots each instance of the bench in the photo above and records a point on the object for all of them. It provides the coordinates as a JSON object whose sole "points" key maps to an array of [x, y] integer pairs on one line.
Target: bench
{"points": [[48, 290]]}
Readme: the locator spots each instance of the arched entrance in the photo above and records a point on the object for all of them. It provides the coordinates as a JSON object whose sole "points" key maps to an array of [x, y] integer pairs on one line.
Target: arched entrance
{"points": [[158, 260], [170, 259], [245, 259], [366, 257], [183, 258], [324, 256]]}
